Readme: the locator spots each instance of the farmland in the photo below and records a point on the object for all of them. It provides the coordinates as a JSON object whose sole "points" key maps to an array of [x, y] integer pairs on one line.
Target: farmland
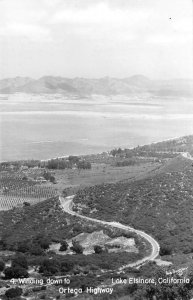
{"points": [[14, 191], [32, 181]]}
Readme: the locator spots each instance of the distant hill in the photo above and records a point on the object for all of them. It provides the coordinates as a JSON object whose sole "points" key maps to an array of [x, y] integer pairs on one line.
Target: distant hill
{"points": [[181, 144], [103, 86]]}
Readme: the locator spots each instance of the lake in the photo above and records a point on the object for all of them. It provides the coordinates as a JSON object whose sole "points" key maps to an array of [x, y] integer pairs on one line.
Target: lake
{"points": [[45, 126]]}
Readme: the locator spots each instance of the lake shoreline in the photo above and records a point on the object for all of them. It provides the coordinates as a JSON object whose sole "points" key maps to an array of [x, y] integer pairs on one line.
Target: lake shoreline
{"points": [[98, 153]]}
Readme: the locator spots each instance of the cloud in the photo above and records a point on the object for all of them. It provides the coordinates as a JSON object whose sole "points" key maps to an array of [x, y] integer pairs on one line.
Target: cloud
{"points": [[100, 13], [23, 20], [97, 37], [161, 39], [29, 31]]}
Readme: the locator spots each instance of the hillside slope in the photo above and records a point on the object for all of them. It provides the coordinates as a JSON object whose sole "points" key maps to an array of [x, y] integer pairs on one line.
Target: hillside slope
{"points": [[181, 144], [161, 205]]}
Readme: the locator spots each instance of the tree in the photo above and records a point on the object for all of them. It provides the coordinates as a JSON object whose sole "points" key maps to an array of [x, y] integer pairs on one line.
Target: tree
{"points": [[84, 164], [13, 292], [43, 241], [76, 247], [25, 203], [67, 266], [15, 272], [52, 179], [98, 249], [165, 250], [49, 267], [73, 159], [64, 246], [52, 164], [36, 249], [64, 193], [77, 228], [9, 273]]}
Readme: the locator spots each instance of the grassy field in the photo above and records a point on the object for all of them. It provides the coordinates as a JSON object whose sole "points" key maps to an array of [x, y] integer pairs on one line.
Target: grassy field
{"points": [[101, 173]]}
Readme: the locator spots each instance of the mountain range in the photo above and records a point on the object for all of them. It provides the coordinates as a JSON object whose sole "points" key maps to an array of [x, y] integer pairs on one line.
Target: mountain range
{"points": [[102, 86]]}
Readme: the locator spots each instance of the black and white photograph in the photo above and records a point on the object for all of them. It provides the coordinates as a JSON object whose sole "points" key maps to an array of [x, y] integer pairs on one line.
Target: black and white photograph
{"points": [[96, 149]]}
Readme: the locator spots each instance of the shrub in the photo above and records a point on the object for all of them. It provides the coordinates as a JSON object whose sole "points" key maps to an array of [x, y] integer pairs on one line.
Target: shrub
{"points": [[77, 229], [9, 273], [165, 250], [66, 266], [20, 260], [84, 165], [125, 163], [15, 272], [49, 267], [48, 175], [13, 292], [26, 203], [77, 248], [2, 265], [64, 246], [43, 241], [98, 249], [36, 250]]}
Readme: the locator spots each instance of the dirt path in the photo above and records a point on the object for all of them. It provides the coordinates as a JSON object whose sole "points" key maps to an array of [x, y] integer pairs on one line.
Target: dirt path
{"points": [[67, 203]]}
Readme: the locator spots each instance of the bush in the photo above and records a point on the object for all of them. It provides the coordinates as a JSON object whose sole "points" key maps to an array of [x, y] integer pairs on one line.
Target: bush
{"points": [[2, 265], [36, 250], [84, 165], [26, 203], [77, 229], [13, 292], [98, 249], [9, 273], [49, 176], [66, 266], [15, 272], [126, 163], [43, 241], [64, 246], [20, 260], [49, 267], [77, 248], [165, 250]]}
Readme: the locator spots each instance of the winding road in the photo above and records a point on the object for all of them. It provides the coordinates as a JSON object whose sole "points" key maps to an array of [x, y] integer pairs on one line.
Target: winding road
{"points": [[67, 204], [187, 155]]}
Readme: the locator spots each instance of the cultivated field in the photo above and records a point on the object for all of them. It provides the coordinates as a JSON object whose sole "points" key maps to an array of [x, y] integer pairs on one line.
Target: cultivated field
{"points": [[14, 192]]}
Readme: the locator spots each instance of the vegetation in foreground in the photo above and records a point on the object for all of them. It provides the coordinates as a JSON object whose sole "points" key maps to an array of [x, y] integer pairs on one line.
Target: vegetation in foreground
{"points": [[159, 202]]}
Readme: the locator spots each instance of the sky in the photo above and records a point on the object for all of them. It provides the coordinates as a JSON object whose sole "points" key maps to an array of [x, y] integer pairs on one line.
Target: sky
{"points": [[96, 38]]}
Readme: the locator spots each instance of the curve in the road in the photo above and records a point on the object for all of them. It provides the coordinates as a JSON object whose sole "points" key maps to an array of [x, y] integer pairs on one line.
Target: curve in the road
{"points": [[66, 205], [187, 155]]}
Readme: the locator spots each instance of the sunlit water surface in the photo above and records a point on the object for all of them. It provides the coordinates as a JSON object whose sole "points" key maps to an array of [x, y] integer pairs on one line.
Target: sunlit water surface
{"points": [[42, 127]]}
